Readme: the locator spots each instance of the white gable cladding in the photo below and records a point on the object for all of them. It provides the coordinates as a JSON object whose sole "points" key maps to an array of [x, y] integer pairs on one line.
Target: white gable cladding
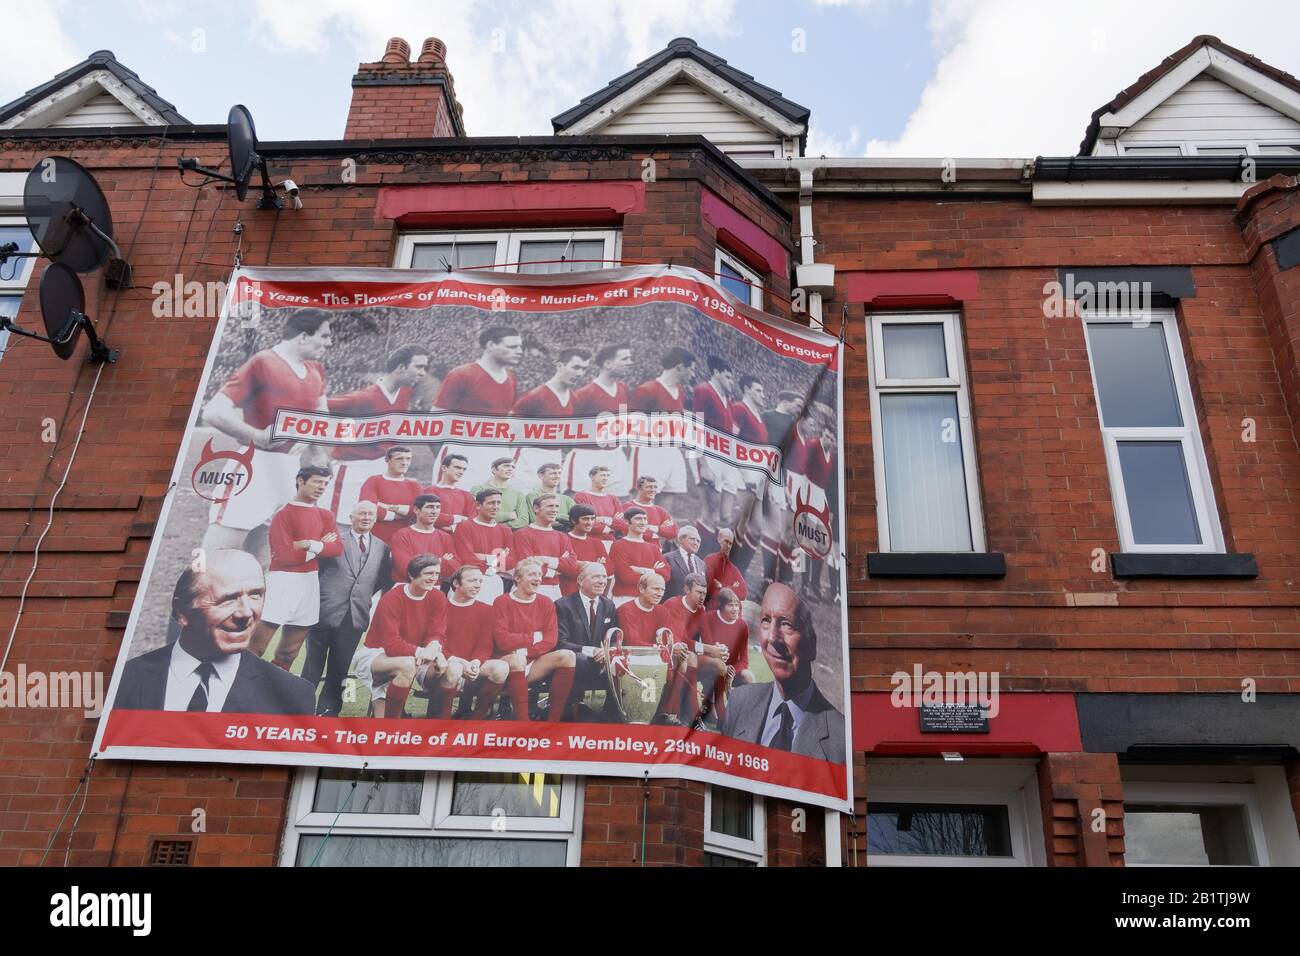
{"points": [[96, 99], [1209, 111], [102, 110], [682, 107]]}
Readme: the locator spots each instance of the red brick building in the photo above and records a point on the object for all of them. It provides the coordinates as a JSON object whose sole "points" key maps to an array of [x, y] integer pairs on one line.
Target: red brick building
{"points": [[1094, 507]]}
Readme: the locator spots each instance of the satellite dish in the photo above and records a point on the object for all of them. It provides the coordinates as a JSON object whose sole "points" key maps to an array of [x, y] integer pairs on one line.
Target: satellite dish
{"points": [[68, 214], [241, 136], [241, 139], [63, 307]]}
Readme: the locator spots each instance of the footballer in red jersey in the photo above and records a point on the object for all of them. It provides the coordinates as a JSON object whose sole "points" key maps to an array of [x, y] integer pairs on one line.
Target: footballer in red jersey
{"points": [[552, 399], [748, 416], [667, 393], [703, 663], [457, 503], [423, 537], [724, 627], [524, 634], [543, 541], [632, 557], [405, 368], [606, 507], [289, 375], [586, 546], [404, 644], [719, 570], [469, 644], [486, 544], [300, 533], [721, 480], [660, 525], [392, 492], [606, 394], [486, 386]]}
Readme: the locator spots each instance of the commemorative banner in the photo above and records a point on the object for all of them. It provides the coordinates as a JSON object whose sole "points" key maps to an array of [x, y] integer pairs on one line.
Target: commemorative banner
{"points": [[586, 523]]}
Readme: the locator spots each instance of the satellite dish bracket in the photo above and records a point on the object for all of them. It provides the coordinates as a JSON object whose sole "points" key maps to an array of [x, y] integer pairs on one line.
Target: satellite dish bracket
{"points": [[99, 350]]}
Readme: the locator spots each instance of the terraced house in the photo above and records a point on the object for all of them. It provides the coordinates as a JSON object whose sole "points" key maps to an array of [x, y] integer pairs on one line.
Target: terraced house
{"points": [[1071, 456]]}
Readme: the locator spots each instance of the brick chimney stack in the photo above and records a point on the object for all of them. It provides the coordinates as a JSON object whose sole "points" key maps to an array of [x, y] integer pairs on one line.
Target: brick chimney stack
{"points": [[396, 98]]}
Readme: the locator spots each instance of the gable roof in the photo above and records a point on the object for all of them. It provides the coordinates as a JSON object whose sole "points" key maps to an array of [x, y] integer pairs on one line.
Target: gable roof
{"points": [[103, 71], [1168, 65], [684, 48]]}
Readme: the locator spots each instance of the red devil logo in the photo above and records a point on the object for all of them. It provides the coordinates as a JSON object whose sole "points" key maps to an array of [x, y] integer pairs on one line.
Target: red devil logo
{"points": [[812, 527], [222, 482]]}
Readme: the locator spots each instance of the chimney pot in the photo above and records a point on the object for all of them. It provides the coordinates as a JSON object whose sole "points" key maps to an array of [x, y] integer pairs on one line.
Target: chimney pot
{"points": [[398, 51], [433, 51]]}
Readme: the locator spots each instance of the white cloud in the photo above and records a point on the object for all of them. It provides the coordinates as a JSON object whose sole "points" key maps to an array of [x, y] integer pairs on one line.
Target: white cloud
{"points": [[1018, 79], [515, 64], [42, 50], [824, 143]]}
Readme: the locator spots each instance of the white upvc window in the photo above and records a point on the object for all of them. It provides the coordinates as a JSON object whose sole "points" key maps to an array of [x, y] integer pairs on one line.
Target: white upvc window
{"points": [[927, 485], [735, 828], [738, 279], [15, 272], [413, 818], [1159, 480], [1182, 148], [946, 829], [528, 252], [970, 813], [1193, 824]]}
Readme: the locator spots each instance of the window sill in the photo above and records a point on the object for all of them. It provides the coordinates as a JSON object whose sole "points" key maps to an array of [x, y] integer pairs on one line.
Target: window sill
{"points": [[1195, 565], [927, 564]]}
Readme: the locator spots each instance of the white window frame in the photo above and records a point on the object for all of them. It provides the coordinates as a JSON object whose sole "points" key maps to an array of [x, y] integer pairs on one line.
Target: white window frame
{"points": [[508, 244], [1202, 794], [15, 287], [1189, 148], [755, 280], [433, 819], [954, 384], [1189, 435], [1017, 825], [723, 844]]}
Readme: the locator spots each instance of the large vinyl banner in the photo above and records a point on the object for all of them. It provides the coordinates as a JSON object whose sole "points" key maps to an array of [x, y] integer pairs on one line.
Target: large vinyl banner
{"points": [[586, 523]]}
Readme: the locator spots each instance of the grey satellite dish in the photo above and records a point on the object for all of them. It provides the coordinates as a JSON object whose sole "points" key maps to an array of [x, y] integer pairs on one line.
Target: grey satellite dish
{"points": [[63, 308], [241, 141]]}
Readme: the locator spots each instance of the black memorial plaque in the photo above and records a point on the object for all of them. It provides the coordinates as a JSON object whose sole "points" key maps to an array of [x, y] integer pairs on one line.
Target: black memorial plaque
{"points": [[954, 719]]}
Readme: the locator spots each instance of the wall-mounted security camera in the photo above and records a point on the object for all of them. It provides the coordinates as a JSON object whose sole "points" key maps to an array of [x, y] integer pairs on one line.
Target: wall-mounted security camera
{"points": [[291, 190]]}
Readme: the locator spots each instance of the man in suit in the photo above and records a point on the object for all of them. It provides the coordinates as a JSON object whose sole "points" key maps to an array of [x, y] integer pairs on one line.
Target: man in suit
{"points": [[209, 668], [584, 618], [683, 560], [788, 713], [347, 585]]}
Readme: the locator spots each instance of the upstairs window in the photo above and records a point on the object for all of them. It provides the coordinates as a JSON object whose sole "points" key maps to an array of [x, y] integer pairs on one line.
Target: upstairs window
{"points": [[926, 484], [525, 252], [738, 279], [1159, 480]]}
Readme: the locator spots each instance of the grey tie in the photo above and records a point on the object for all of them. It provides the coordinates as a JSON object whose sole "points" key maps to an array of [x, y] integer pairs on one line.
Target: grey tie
{"points": [[783, 739]]}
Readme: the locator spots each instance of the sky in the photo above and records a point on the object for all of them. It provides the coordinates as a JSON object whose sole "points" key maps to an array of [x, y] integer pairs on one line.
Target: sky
{"points": [[925, 78]]}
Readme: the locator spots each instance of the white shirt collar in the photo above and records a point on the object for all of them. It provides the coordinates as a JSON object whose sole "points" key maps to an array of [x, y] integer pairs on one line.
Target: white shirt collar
{"points": [[391, 396], [182, 680]]}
